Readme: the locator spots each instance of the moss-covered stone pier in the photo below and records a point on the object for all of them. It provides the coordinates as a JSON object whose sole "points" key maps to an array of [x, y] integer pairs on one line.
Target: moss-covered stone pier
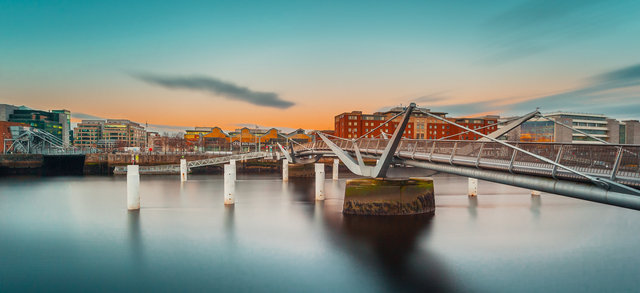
{"points": [[389, 197]]}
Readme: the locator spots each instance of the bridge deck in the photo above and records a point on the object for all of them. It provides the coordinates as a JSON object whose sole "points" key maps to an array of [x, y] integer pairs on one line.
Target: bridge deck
{"points": [[175, 168], [620, 163]]}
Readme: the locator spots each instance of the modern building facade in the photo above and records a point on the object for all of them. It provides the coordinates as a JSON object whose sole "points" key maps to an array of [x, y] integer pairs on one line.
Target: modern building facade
{"points": [[110, 134], [629, 132], [54, 123], [596, 125], [65, 119], [88, 133], [6, 110]]}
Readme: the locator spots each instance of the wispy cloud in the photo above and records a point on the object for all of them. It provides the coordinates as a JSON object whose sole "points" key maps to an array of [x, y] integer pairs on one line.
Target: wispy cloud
{"points": [[615, 93], [538, 25], [217, 87], [430, 98]]}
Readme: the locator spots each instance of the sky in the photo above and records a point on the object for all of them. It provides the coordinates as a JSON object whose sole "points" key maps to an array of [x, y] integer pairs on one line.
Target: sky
{"points": [[297, 64]]}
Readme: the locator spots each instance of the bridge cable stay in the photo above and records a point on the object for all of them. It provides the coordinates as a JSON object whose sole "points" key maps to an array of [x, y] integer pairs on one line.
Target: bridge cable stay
{"points": [[383, 124], [289, 139], [34, 139], [492, 124], [291, 157], [574, 129], [336, 137], [380, 169], [510, 126], [354, 142], [587, 134], [604, 183]]}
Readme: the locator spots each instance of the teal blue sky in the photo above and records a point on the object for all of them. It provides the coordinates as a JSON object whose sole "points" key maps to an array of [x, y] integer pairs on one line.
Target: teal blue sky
{"points": [[298, 63]]}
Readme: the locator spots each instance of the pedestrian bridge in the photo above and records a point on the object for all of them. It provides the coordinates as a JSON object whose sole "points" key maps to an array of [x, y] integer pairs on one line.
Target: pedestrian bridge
{"points": [[617, 163], [175, 168], [605, 173]]}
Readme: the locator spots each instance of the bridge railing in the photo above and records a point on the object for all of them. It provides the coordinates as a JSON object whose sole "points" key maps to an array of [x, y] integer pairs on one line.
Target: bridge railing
{"points": [[617, 162]]}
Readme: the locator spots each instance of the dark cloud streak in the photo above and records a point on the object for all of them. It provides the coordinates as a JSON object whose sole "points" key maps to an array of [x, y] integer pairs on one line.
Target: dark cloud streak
{"points": [[535, 26], [615, 93], [217, 87]]}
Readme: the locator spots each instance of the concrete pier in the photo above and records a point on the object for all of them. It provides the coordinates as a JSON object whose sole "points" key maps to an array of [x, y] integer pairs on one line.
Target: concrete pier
{"points": [[319, 181], [285, 170], [389, 197], [473, 187], [233, 166], [133, 187], [229, 184], [183, 170], [336, 165]]}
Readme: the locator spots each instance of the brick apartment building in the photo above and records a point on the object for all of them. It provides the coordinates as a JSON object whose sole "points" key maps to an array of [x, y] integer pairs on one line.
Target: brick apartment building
{"points": [[421, 126]]}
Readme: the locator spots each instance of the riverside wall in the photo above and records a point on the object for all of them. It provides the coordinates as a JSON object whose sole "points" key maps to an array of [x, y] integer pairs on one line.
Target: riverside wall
{"points": [[103, 164]]}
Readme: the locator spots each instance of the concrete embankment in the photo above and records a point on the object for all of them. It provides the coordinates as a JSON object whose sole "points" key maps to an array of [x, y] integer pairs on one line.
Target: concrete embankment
{"points": [[42, 165], [103, 164]]}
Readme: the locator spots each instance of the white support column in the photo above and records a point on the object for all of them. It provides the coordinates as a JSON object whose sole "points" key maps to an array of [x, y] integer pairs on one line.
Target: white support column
{"points": [[285, 170], [183, 170], [535, 193], [229, 184], [278, 156], [319, 181], [133, 187], [233, 166], [473, 187], [336, 164]]}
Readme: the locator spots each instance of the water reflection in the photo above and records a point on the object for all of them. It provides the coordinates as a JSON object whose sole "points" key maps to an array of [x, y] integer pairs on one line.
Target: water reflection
{"points": [[229, 223], [389, 246], [473, 207], [302, 189], [536, 203], [135, 237], [72, 229]]}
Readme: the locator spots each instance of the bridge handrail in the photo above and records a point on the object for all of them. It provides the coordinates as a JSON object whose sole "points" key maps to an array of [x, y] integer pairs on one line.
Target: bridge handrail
{"points": [[619, 163]]}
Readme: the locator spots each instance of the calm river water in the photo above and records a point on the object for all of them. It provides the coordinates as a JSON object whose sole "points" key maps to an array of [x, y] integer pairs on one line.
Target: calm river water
{"points": [[75, 234]]}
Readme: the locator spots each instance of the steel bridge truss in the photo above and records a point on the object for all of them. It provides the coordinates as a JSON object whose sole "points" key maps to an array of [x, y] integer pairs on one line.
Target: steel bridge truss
{"points": [[175, 168], [31, 140]]}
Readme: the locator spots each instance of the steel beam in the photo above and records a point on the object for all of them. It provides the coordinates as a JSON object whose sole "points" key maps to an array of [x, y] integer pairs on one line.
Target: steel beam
{"points": [[380, 170], [578, 190]]}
